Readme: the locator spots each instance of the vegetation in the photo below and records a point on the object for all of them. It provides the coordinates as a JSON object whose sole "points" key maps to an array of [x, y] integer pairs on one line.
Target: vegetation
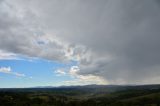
{"points": [[93, 95]]}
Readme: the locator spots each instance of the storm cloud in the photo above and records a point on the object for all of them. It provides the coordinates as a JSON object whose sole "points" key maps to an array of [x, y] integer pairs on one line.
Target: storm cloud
{"points": [[115, 40]]}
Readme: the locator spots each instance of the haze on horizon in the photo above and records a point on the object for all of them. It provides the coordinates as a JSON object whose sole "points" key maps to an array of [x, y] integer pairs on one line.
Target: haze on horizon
{"points": [[79, 42]]}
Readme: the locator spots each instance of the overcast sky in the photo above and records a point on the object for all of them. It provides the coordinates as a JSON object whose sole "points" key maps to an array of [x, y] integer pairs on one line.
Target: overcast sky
{"points": [[91, 41]]}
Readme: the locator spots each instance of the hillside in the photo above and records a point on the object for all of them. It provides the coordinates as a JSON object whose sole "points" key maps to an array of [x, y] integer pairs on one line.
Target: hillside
{"points": [[90, 95]]}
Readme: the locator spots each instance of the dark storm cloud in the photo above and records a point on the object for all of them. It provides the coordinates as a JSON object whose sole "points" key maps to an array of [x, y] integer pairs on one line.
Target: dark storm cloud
{"points": [[19, 34], [116, 40]]}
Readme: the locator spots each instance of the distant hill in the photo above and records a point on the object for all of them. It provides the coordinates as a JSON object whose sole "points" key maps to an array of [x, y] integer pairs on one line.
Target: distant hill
{"points": [[87, 88]]}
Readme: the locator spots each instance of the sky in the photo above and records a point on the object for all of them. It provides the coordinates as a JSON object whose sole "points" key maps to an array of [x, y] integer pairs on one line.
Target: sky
{"points": [[79, 42]]}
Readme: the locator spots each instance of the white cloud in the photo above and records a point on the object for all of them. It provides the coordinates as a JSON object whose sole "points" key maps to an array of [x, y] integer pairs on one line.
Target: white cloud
{"points": [[60, 72], [83, 79], [7, 56], [5, 70], [86, 79], [73, 70], [18, 74], [79, 79], [8, 70]]}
